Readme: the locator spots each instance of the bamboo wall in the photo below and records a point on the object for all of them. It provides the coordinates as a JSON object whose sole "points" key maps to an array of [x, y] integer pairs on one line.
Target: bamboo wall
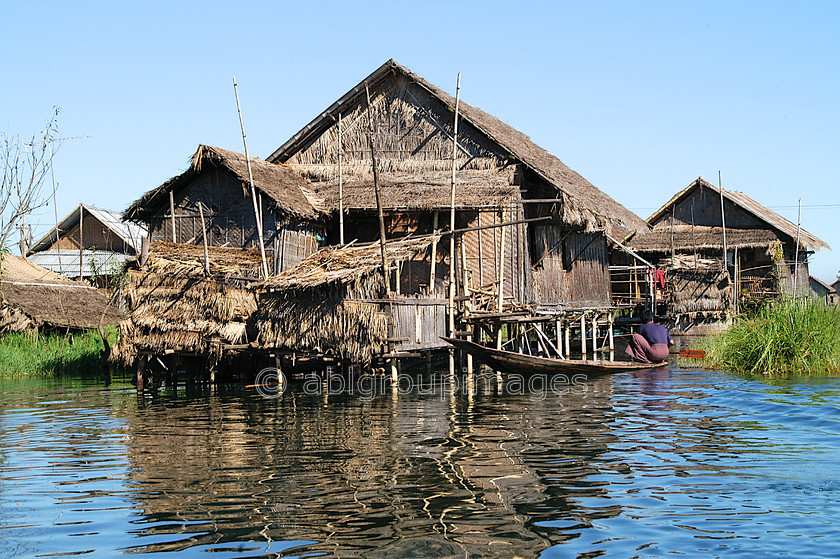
{"points": [[703, 208], [412, 132], [229, 221], [573, 266], [94, 234]]}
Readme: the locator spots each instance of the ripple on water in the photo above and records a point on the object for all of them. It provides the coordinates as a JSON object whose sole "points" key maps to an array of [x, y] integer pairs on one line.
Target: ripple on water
{"points": [[637, 464]]}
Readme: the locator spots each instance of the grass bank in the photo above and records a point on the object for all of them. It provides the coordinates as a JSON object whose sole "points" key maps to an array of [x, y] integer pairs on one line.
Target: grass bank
{"points": [[782, 338], [24, 354]]}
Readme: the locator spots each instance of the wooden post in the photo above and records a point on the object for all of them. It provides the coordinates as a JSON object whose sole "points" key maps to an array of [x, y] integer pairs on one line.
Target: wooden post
{"points": [[251, 181], [568, 340], [558, 333], [172, 215], [141, 370], [144, 250], [594, 335], [340, 187], [612, 334], [204, 238], [583, 336]]}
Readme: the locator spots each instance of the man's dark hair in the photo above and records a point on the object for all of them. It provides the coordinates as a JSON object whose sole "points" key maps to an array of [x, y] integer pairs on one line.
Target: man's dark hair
{"points": [[647, 316]]}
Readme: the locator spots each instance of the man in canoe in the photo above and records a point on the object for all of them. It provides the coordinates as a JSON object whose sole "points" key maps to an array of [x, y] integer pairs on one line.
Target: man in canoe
{"points": [[652, 343]]}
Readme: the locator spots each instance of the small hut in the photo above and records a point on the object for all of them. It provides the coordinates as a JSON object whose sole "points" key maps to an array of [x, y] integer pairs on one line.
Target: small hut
{"points": [[212, 201], [186, 303], [88, 243], [33, 298], [822, 291], [334, 304], [766, 255]]}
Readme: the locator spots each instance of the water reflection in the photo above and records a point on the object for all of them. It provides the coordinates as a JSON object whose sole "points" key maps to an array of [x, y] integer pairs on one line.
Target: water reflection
{"points": [[638, 463], [413, 474]]}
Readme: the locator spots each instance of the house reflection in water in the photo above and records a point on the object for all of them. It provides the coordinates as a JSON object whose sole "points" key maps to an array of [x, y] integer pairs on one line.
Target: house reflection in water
{"points": [[447, 472]]}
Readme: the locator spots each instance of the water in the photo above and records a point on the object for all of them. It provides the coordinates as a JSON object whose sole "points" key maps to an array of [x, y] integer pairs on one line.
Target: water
{"points": [[646, 464]]}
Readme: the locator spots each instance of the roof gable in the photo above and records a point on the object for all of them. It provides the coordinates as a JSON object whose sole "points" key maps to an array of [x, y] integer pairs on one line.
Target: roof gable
{"points": [[130, 233], [758, 211], [583, 203], [285, 187]]}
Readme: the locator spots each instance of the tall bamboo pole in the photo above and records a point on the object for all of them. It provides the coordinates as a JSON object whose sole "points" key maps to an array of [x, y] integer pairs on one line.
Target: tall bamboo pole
{"points": [[452, 227], [204, 239], [81, 240], [433, 264], [722, 222], [251, 181], [385, 272], [172, 215], [796, 252], [378, 196], [501, 271], [340, 187]]}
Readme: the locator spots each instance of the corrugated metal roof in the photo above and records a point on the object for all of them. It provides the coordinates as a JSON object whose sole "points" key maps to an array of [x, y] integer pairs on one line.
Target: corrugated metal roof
{"points": [[66, 262], [131, 233]]}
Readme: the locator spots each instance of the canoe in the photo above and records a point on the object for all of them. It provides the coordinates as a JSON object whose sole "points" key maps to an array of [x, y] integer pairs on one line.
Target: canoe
{"points": [[512, 362]]}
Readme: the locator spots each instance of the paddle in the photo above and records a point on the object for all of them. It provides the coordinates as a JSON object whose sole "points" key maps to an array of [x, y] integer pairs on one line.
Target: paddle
{"points": [[696, 353]]}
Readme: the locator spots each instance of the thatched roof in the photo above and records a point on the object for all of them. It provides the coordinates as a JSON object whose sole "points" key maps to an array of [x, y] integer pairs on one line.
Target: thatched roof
{"points": [[286, 188], [774, 220], [688, 238], [187, 260], [174, 306], [406, 190], [344, 265], [583, 203], [33, 296]]}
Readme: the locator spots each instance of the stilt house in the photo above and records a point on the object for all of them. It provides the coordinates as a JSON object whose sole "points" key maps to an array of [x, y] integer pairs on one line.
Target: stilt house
{"points": [[212, 201], [527, 227], [88, 242], [766, 255]]}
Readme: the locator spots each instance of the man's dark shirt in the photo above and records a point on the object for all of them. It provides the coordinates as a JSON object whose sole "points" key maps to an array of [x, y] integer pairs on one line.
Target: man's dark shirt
{"points": [[655, 333]]}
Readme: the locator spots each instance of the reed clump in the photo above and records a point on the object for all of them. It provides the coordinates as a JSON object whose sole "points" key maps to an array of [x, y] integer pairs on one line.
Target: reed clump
{"points": [[781, 338], [24, 354]]}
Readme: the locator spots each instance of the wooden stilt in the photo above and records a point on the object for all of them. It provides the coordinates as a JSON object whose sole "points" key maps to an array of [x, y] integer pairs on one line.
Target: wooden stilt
{"points": [[612, 336], [583, 336], [558, 334], [568, 340], [141, 371], [594, 334]]}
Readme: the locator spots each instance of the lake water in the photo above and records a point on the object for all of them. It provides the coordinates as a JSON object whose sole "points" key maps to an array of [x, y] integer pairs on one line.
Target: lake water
{"points": [[631, 465]]}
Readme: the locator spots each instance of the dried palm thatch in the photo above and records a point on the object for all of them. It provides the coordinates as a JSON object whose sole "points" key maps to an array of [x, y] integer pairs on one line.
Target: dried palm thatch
{"points": [[32, 297], [700, 286], [175, 306], [331, 302], [488, 144], [773, 220], [688, 238], [287, 189]]}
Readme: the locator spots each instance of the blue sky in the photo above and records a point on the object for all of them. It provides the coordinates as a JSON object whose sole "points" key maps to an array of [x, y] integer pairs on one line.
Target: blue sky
{"points": [[639, 97]]}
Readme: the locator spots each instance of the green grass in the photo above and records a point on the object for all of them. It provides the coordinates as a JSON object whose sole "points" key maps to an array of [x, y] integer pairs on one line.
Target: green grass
{"points": [[783, 338], [23, 354]]}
